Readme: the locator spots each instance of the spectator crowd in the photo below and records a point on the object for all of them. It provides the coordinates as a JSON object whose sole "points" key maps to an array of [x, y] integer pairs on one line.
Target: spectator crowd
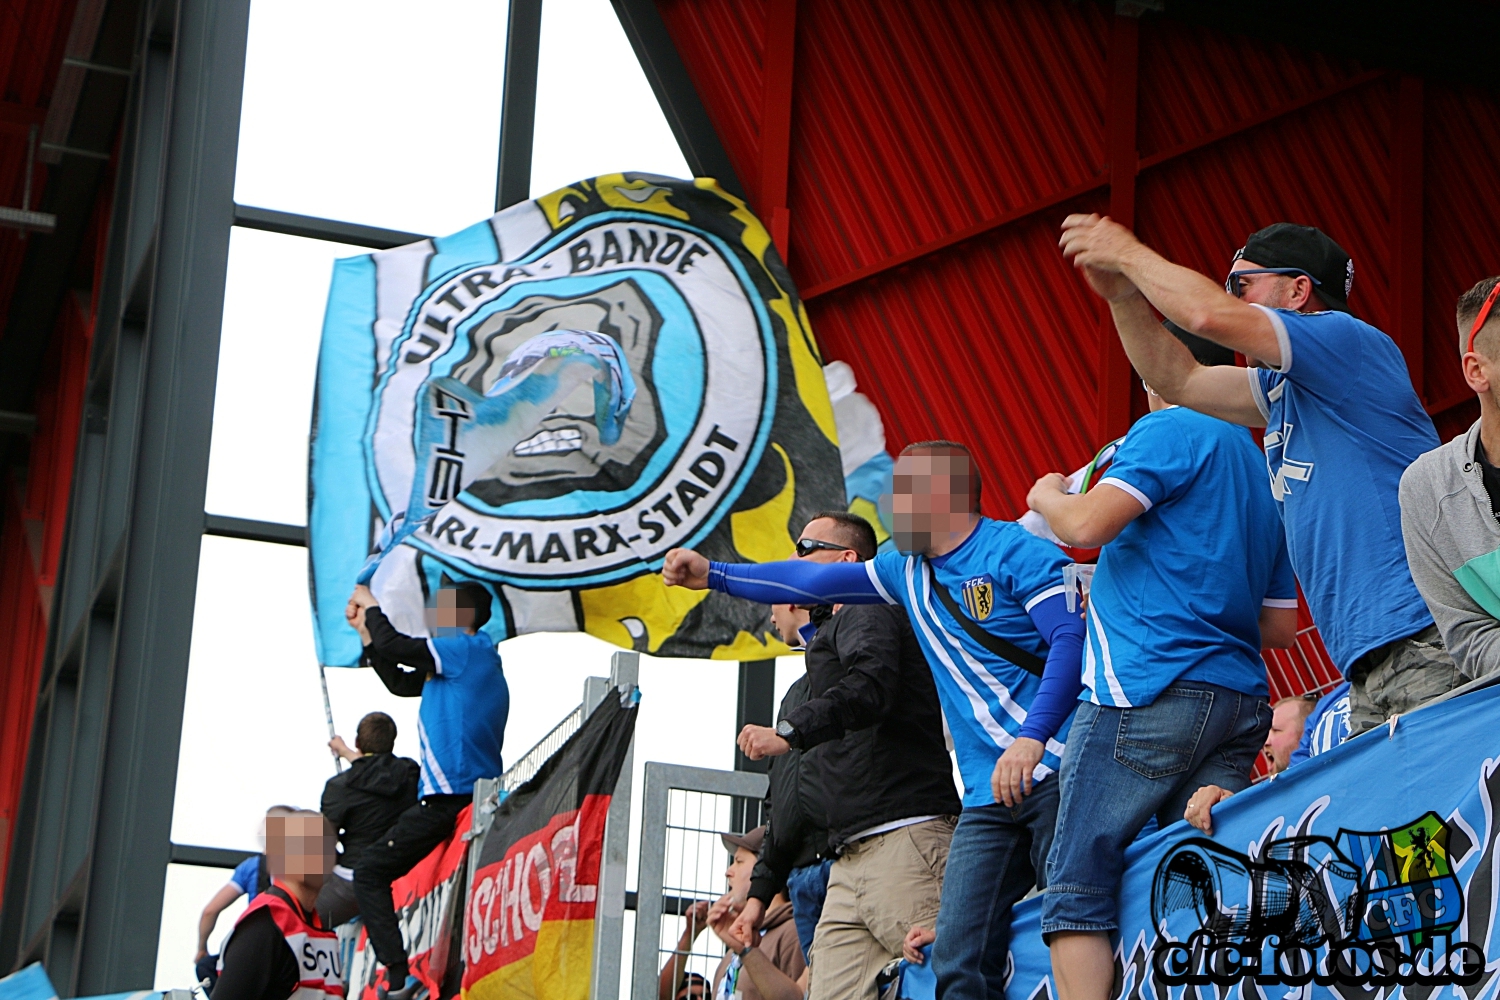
{"points": [[1079, 717]]}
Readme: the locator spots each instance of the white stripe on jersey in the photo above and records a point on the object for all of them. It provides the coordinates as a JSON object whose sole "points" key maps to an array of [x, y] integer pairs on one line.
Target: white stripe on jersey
{"points": [[997, 688], [982, 713], [1039, 598], [1116, 692], [875, 581], [430, 759], [437, 661]]}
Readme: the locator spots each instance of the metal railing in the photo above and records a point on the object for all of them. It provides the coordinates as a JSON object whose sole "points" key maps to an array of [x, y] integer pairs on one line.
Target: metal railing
{"points": [[683, 812]]}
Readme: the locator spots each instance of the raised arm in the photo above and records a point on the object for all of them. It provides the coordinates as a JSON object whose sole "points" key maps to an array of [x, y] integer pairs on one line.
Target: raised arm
{"points": [[389, 649], [789, 582], [1133, 278]]}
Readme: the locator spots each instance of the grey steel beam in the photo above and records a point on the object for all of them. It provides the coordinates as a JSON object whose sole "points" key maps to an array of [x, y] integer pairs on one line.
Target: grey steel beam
{"points": [[92, 840], [131, 847], [208, 857], [254, 531], [314, 228], [523, 40], [674, 90]]}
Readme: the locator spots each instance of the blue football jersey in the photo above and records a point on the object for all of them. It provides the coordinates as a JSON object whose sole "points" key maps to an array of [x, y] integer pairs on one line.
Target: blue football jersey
{"points": [[1342, 424], [465, 705], [997, 575], [1178, 593]]}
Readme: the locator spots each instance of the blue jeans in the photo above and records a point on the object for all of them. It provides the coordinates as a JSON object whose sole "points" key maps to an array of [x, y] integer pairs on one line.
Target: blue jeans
{"points": [[996, 858], [807, 887], [1125, 765]]}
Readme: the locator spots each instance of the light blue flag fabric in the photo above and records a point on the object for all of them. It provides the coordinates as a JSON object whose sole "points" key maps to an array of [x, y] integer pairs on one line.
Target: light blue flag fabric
{"points": [[30, 983]]}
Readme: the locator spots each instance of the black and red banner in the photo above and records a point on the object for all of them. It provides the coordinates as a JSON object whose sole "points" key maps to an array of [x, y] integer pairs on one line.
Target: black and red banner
{"points": [[428, 901], [528, 927]]}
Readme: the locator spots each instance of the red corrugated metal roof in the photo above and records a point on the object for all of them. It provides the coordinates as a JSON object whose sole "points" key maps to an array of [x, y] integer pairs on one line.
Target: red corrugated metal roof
{"points": [[914, 123]]}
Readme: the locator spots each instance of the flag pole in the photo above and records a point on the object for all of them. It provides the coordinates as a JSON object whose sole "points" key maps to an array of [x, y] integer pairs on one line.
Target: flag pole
{"points": [[338, 762]]}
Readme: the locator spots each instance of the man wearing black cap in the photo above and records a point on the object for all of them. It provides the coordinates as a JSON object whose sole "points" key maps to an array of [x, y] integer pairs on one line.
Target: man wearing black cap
{"points": [[1342, 424]]}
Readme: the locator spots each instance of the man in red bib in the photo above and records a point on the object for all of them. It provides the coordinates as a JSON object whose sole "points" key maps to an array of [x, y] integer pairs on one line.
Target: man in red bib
{"points": [[279, 948]]}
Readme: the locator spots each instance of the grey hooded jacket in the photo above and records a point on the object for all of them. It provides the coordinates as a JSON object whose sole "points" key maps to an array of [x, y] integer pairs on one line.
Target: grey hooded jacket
{"points": [[1453, 547]]}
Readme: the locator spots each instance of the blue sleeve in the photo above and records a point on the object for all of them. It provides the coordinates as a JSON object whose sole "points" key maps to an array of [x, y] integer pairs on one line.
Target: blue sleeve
{"points": [[797, 582], [1153, 465], [1062, 677], [1320, 350], [1283, 585], [246, 874]]}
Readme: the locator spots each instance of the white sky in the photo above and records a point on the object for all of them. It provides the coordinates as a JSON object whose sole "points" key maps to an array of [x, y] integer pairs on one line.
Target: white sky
{"points": [[388, 114]]}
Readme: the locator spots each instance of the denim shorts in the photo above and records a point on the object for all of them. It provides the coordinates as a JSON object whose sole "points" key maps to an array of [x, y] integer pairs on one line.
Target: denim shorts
{"points": [[1124, 765]]}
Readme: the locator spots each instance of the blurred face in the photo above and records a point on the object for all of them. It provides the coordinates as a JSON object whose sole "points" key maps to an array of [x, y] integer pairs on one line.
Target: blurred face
{"points": [[787, 619], [929, 496], [300, 846], [448, 614], [1287, 722], [738, 873]]}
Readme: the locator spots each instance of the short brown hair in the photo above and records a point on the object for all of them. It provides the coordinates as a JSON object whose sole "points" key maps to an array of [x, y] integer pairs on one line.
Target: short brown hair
{"points": [[944, 447], [1469, 304], [854, 531], [376, 734]]}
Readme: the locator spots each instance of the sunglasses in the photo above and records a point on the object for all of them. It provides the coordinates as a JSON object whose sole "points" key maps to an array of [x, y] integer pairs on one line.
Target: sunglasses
{"points": [[1234, 286], [1484, 314], [807, 546]]}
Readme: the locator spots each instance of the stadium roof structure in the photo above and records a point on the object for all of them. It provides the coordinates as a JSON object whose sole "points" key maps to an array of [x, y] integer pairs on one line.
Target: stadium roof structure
{"points": [[913, 161]]}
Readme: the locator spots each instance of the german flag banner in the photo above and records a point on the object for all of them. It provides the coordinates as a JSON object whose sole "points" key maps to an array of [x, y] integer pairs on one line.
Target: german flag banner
{"points": [[528, 928], [428, 901]]}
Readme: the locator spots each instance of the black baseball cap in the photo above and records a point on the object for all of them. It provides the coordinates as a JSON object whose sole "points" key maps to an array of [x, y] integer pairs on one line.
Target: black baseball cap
{"points": [[1206, 352], [1286, 244]]}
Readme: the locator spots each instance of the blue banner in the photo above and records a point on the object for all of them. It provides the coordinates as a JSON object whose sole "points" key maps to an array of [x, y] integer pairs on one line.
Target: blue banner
{"points": [[1365, 872]]}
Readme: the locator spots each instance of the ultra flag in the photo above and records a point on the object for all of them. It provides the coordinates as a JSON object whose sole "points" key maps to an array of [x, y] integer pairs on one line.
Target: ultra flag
{"points": [[685, 406], [529, 921]]}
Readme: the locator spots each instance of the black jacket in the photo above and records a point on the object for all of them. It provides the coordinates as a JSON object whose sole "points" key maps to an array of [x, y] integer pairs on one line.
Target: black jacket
{"points": [[796, 832], [363, 802], [874, 713]]}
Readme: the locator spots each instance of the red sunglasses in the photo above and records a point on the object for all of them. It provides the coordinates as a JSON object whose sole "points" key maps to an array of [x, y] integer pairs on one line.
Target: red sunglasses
{"points": [[1484, 314]]}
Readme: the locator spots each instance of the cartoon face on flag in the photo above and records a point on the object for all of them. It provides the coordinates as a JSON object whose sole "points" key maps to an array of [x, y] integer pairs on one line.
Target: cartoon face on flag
{"points": [[549, 401]]}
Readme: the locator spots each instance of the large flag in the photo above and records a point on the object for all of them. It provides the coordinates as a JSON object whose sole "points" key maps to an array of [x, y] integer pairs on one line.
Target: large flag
{"points": [[1367, 873], [707, 422], [528, 927], [428, 902]]}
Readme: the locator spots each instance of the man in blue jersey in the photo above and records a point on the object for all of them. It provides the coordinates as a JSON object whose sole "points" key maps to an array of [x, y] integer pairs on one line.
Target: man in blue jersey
{"points": [[988, 602], [1193, 580], [1342, 424], [460, 732]]}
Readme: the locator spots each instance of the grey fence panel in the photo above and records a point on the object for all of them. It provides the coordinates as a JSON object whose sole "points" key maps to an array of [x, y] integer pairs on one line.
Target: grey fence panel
{"points": [[683, 811], [609, 918]]}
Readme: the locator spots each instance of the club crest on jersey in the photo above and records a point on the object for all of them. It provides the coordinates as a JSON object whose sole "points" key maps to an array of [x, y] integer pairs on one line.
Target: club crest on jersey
{"points": [[979, 597]]}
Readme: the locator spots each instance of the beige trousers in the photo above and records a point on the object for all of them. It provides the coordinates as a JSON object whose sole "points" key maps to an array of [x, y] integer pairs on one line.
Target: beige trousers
{"points": [[877, 891]]}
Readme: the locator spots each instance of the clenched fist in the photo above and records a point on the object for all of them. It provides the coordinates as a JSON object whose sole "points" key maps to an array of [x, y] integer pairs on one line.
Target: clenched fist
{"points": [[685, 568]]}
